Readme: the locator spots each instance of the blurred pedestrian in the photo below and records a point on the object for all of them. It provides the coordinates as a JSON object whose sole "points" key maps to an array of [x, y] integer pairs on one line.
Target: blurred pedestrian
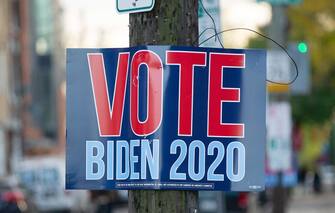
{"points": [[332, 142]]}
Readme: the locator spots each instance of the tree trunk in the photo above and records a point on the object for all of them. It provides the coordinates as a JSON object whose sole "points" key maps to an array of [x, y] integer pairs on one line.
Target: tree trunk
{"points": [[172, 22]]}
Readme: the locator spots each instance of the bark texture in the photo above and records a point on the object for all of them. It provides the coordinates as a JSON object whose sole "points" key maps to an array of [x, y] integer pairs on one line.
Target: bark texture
{"points": [[172, 22]]}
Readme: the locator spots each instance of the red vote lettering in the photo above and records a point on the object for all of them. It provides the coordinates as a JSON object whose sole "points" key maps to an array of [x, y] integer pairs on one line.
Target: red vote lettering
{"points": [[110, 116], [186, 62], [109, 121], [217, 94], [154, 92]]}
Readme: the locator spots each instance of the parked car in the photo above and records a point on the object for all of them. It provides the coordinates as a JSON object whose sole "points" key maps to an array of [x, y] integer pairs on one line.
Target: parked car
{"points": [[223, 202], [236, 202], [211, 202], [109, 201], [12, 198]]}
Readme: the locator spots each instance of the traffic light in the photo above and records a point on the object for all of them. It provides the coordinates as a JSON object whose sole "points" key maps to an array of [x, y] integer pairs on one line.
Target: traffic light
{"points": [[300, 53], [302, 47]]}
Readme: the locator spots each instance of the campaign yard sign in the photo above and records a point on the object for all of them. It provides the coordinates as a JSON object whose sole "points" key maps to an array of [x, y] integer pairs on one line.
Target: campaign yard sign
{"points": [[166, 117]]}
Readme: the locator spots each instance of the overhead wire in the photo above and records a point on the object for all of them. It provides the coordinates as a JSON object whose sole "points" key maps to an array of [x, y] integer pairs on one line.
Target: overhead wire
{"points": [[216, 35]]}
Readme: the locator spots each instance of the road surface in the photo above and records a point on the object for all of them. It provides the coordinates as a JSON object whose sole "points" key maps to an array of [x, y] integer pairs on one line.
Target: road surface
{"points": [[311, 203]]}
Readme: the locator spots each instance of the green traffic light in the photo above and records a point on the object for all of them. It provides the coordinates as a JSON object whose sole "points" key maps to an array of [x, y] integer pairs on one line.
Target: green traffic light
{"points": [[302, 47]]}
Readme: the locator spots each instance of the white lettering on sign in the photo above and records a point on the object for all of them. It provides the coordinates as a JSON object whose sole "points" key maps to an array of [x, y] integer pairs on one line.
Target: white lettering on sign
{"points": [[126, 155], [189, 162]]}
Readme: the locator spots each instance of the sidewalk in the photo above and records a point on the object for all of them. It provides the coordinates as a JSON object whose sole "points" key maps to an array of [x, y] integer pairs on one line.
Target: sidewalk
{"points": [[311, 203]]}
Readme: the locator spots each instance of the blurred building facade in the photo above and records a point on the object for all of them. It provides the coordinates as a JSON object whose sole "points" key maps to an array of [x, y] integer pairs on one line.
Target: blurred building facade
{"points": [[5, 111], [31, 72], [39, 91]]}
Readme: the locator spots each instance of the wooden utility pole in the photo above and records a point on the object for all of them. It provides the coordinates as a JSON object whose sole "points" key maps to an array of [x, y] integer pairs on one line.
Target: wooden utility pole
{"points": [[172, 22], [278, 31]]}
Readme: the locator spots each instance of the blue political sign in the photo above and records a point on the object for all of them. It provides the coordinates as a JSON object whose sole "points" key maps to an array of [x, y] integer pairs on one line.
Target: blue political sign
{"points": [[166, 117]]}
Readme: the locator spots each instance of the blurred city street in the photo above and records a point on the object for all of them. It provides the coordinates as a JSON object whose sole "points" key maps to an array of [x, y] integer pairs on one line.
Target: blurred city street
{"points": [[81, 122], [311, 203]]}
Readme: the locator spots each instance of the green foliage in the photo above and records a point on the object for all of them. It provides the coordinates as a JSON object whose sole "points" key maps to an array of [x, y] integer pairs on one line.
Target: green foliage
{"points": [[315, 108], [314, 22], [314, 137]]}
